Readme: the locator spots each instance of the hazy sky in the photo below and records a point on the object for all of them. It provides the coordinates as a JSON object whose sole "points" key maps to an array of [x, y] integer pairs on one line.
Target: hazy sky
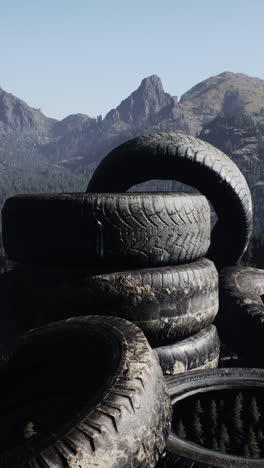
{"points": [[69, 56]]}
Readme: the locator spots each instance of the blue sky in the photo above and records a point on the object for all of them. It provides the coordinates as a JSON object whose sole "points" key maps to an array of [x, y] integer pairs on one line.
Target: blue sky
{"points": [[69, 56]]}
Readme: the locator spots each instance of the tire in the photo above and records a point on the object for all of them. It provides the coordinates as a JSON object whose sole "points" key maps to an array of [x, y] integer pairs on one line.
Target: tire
{"points": [[199, 351], [194, 162], [167, 303], [76, 390], [241, 316], [122, 229], [187, 454]]}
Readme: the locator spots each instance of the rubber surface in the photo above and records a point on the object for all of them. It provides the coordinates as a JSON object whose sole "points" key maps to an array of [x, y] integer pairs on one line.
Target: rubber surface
{"points": [[105, 398], [130, 229], [194, 162], [167, 303], [199, 351], [241, 316], [190, 455]]}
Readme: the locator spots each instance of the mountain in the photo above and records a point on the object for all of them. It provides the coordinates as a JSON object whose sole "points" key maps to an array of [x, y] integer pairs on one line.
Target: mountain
{"points": [[150, 109], [16, 115], [228, 93], [139, 113], [73, 122], [242, 139], [149, 99], [50, 155]]}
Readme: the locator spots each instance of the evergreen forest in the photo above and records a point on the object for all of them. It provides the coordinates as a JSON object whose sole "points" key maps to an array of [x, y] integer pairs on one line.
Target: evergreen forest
{"points": [[229, 421]]}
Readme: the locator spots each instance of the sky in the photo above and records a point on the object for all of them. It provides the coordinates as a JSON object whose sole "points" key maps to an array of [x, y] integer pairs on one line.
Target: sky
{"points": [[70, 56]]}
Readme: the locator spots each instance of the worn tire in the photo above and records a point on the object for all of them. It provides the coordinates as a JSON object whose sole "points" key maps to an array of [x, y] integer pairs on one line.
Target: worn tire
{"points": [[167, 303], [241, 316], [183, 453], [197, 352], [129, 229], [193, 162], [108, 379]]}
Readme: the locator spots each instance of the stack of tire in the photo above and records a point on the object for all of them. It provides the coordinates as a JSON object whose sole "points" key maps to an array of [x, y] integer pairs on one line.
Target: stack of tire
{"points": [[174, 305], [196, 163], [139, 257]]}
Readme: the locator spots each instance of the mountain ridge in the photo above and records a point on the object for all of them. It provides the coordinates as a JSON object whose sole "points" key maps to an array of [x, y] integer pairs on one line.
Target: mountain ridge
{"points": [[227, 91], [78, 142]]}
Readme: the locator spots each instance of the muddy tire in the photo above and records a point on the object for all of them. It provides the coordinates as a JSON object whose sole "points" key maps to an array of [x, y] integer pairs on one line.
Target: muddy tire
{"points": [[197, 352], [128, 229], [56, 415], [194, 162], [167, 303], [186, 454], [241, 315]]}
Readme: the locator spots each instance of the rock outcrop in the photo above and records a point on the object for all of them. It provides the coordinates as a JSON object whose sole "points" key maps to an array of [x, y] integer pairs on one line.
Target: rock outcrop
{"points": [[143, 104]]}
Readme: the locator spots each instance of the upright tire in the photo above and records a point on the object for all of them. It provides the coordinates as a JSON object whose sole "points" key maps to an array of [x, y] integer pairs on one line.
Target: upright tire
{"points": [[74, 392], [144, 229], [193, 162], [167, 303]]}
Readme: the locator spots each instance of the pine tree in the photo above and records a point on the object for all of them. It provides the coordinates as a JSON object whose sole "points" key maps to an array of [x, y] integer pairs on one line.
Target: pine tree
{"points": [[260, 435], [246, 452], [197, 430], [213, 418], [253, 411], [260, 440], [221, 406], [224, 438], [214, 444], [198, 409], [222, 447], [180, 429], [237, 413], [253, 444], [238, 426]]}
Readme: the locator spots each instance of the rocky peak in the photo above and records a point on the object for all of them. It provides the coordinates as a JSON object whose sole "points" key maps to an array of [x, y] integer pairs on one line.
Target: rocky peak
{"points": [[174, 101], [143, 103], [15, 114]]}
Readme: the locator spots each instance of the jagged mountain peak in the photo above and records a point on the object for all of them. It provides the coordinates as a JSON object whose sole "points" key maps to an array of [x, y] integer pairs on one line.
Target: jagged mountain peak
{"points": [[153, 81], [147, 100], [16, 114]]}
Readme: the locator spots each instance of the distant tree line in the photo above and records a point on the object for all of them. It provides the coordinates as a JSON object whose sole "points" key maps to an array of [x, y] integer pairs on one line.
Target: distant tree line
{"points": [[237, 120], [227, 421], [30, 174]]}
